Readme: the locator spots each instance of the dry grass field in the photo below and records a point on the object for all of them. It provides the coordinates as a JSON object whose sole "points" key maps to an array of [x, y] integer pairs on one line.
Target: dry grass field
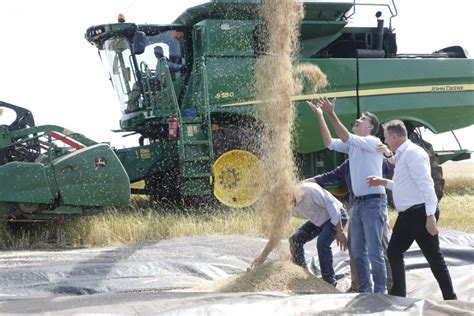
{"points": [[457, 205], [145, 221], [459, 177]]}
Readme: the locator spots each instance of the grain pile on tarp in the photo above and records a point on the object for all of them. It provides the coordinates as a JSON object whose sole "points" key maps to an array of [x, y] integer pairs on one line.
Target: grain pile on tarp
{"points": [[278, 275]]}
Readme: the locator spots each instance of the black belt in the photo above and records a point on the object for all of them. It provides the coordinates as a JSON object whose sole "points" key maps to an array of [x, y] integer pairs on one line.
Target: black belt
{"points": [[368, 197], [414, 207]]}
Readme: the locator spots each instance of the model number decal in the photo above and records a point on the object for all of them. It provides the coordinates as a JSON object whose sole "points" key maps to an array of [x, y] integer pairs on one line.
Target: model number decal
{"points": [[224, 95]]}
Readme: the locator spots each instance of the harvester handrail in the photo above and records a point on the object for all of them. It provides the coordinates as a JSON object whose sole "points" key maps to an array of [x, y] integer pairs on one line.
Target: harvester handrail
{"points": [[378, 4], [53, 128], [206, 104], [169, 86]]}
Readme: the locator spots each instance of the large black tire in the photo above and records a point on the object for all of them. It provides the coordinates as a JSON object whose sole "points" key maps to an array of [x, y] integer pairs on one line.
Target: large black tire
{"points": [[235, 137]]}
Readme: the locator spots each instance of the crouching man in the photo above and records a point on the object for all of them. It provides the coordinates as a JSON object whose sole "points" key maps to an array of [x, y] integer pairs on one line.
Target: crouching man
{"points": [[326, 219]]}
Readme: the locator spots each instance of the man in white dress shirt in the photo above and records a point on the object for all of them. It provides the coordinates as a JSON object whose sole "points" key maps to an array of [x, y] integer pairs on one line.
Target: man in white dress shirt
{"points": [[326, 219], [415, 200]]}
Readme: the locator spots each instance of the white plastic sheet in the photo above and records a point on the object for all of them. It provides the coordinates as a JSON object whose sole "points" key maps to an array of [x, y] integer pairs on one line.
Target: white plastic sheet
{"points": [[144, 279]]}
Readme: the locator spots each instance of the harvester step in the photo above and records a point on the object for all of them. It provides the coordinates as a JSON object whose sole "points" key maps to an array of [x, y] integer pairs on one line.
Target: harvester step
{"points": [[197, 175], [196, 142], [196, 119], [202, 158], [199, 193]]}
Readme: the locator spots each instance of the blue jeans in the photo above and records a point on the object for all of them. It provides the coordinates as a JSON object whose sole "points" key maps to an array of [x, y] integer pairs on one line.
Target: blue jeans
{"points": [[326, 234], [367, 222]]}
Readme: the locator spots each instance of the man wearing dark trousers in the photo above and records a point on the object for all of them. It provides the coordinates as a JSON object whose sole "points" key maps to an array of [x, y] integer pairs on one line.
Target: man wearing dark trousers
{"points": [[415, 200]]}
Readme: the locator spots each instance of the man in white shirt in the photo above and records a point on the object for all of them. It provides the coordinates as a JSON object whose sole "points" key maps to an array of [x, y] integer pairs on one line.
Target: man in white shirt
{"points": [[369, 206], [326, 219], [415, 200]]}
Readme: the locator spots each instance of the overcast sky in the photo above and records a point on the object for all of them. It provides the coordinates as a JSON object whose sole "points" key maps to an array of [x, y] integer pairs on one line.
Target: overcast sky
{"points": [[48, 67]]}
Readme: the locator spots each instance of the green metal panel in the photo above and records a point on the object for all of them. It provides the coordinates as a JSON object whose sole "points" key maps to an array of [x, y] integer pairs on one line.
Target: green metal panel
{"points": [[66, 210], [440, 113], [131, 121], [140, 162], [403, 72], [219, 10], [231, 80], [224, 38], [248, 10], [24, 182], [92, 176], [437, 93]]}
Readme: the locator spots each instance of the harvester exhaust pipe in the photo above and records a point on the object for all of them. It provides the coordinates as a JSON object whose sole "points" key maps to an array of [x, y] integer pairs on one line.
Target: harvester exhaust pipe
{"points": [[379, 30], [377, 51]]}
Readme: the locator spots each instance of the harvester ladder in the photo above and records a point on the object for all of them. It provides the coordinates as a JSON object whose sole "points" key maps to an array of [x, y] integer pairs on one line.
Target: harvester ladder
{"points": [[196, 151]]}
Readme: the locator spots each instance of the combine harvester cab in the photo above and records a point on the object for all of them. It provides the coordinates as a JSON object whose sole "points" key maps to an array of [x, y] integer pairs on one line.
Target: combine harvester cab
{"points": [[188, 90], [48, 171]]}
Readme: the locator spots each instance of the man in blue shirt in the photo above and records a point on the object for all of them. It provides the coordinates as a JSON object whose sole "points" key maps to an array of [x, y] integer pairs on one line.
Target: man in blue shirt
{"points": [[342, 173], [369, 205]]}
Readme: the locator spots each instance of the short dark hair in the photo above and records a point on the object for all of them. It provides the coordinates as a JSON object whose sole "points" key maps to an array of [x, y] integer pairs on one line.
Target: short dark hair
{"points": [[158, 49], [397, 127], [374, 120]]}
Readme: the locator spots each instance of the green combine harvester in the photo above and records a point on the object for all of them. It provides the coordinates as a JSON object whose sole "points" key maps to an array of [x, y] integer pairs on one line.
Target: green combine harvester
{"points": [[187, 90]]}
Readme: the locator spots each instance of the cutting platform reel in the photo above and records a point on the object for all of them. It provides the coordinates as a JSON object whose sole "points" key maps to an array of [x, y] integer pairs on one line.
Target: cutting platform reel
{"points": [[48, 170]]}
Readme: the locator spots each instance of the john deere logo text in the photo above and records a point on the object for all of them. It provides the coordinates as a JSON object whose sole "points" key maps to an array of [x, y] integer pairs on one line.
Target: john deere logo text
{"points": [[447, 89]]}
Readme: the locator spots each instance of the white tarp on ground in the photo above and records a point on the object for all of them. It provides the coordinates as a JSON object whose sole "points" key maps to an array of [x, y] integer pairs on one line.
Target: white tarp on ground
{"points": [[135, 279]]}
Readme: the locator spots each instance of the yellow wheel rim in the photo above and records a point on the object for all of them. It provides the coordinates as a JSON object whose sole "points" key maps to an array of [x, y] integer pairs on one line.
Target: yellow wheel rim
{"points": [[238, 178]]}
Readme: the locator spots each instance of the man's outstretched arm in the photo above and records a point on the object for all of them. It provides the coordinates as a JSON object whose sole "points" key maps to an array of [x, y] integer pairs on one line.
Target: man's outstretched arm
{"points": [[328, 107], [325, 134]]}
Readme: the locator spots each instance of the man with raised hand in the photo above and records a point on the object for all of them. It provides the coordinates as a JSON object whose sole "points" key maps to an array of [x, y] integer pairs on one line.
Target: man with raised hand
{"points": [[342, 173], [369, 205]]}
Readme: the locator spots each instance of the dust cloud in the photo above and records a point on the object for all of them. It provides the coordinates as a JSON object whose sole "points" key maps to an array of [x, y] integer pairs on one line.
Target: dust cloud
{"points": [[309, 76], [278, 81], [276, 85]]}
